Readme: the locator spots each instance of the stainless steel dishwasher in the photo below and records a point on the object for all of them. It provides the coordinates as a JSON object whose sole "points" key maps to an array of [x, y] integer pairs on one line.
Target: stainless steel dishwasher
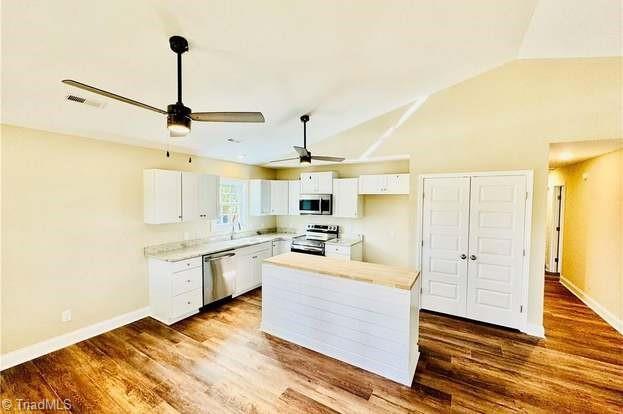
{"points": [[219, 274]]}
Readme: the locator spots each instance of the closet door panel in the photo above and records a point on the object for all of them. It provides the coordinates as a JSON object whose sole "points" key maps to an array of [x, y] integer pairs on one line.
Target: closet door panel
{"points": [[445, 227], [496, 243]]}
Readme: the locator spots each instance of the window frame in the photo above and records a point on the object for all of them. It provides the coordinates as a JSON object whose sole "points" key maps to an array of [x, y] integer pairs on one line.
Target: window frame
{"points": [[218, 227]]}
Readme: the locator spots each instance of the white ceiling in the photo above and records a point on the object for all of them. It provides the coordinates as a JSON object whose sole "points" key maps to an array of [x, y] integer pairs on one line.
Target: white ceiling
{"points": [[344, 62], [566, 153], [574, 28]]}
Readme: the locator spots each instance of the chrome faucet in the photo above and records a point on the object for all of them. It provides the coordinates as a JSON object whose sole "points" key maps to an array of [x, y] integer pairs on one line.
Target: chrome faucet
{"points": [[235, 222]]}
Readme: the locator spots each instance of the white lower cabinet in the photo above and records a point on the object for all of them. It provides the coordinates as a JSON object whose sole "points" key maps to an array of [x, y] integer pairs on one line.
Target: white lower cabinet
{"points": [[281, 246], [339, 251], [249, 275], [175, 289]]}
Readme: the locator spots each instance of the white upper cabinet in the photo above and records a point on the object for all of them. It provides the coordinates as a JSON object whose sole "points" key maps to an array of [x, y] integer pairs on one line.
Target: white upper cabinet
{"points": [[384, 184], [278, 198], [162, 194], [175, 196], [259, 197], [294, 195], [268, 198], [317, 182], [347, 202], [190, 196], [208, 196]]}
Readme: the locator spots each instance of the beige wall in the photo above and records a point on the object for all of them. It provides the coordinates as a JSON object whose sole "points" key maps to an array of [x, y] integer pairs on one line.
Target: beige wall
{"points": [[593, 228], [386, 217], [73, 231], [503, 119]]}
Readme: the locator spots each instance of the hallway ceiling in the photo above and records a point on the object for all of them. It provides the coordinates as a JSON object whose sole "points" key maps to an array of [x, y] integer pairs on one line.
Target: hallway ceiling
{"points": [[565, 153], [344, 62]]}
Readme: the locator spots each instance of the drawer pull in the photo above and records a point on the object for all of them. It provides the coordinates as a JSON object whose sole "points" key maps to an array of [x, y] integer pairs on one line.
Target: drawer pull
{"points": [[188, 303]]}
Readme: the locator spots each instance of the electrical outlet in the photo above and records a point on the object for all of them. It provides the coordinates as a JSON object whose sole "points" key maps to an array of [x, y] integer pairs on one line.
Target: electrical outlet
{"points": [[66, 315]]}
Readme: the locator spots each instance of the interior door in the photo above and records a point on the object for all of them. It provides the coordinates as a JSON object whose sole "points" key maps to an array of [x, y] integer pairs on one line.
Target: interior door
{"points": [[445, 226], [496, 243]]}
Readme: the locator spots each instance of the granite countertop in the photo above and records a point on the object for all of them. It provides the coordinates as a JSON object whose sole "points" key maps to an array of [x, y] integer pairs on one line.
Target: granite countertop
{"points": [[201, 249], [344, 241], [391, 276]]}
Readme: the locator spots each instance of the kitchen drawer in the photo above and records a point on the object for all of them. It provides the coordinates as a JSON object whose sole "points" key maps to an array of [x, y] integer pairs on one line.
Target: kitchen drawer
{"points": [[186, 280], [336, 249], [186, 303], [186, 264]]}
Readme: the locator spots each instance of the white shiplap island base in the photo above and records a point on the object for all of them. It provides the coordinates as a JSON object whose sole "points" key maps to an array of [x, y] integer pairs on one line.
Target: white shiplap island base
{"points": [[364, 314]]}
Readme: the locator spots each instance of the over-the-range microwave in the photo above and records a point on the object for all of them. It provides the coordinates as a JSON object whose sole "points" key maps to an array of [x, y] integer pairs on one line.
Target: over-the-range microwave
{"points": [[316, 204]]}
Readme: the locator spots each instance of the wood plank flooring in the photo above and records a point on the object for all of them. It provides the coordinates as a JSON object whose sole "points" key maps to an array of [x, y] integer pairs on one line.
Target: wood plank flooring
{"points": [[218, 362]]}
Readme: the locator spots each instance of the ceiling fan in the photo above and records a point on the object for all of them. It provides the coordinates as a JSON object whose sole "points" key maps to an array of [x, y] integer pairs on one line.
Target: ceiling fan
{"points": [[305, 156], [178, 115]]}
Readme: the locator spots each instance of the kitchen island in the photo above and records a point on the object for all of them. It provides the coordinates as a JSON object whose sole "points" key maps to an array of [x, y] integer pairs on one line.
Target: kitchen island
{"points": [[364, 314]]}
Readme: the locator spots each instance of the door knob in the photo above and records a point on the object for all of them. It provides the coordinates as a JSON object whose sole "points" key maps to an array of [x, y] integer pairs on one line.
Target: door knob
{"points": [[473, 257], [463, 256]]}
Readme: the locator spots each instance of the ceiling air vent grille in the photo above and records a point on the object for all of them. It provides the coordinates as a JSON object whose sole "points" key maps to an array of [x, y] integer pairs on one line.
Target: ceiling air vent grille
{"points": [[85, 101]]}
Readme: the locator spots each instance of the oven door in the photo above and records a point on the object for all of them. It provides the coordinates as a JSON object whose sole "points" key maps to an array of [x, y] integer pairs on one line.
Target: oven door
{"points": [[310, 204]]}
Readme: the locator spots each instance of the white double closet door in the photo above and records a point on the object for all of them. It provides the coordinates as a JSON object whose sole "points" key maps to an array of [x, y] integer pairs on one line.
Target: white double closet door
{"points": [[473, 247]]}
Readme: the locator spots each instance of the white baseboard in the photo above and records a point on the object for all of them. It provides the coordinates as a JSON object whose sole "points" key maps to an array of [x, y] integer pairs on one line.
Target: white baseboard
{"points": [[30, 352], [534, 330], [603, 313]]}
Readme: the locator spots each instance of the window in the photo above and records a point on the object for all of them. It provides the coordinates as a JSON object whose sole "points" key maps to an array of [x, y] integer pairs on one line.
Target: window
{"points": [[232, 204]]}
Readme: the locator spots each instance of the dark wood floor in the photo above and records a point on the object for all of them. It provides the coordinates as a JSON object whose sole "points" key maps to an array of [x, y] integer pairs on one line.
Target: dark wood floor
{"points": [[219, 362]]}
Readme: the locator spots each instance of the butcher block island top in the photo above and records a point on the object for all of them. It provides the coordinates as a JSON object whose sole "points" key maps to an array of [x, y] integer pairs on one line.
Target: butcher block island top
{"points": [[378, 274]]}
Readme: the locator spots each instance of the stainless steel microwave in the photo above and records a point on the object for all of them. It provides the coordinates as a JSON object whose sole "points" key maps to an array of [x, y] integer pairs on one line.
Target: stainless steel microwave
{"points": [[316, 204]]}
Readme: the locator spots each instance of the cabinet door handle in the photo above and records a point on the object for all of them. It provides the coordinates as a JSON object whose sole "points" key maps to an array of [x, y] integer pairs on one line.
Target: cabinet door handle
{"points": [[188, 303], [473, 257], [463, 256], [254, 257]]}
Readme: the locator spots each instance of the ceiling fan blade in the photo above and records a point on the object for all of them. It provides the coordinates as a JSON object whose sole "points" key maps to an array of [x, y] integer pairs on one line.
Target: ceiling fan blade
{"points": [[323, 158], [227, 116], [286, 159], [302, 151], [112, 95]]}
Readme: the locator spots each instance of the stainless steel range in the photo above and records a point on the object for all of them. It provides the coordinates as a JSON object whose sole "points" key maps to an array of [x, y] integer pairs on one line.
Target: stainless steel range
{"points": [[315, 237]]}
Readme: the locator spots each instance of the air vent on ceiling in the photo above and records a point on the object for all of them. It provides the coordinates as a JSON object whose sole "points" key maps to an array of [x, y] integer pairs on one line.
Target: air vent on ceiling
{"points": [[85, 101]]}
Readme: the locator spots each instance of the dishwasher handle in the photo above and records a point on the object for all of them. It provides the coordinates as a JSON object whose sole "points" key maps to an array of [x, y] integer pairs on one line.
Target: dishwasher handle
{"points": [[222, 256]]}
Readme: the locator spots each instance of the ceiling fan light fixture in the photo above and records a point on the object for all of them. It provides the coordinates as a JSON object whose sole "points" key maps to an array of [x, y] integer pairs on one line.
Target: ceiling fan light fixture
{"points": [[305, 161], [178, 120]]}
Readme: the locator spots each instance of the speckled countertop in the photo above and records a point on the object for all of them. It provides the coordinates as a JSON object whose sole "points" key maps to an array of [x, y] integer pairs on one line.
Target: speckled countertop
{"points": [[345, 241], [201, 249]]}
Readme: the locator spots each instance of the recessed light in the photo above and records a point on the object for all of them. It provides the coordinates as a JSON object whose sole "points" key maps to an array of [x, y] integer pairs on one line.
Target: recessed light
{"points": [[242, 156], [566, 156]]}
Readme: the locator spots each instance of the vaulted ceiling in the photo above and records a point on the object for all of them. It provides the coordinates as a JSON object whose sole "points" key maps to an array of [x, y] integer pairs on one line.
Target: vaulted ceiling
{"points": [[344, 62]]}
